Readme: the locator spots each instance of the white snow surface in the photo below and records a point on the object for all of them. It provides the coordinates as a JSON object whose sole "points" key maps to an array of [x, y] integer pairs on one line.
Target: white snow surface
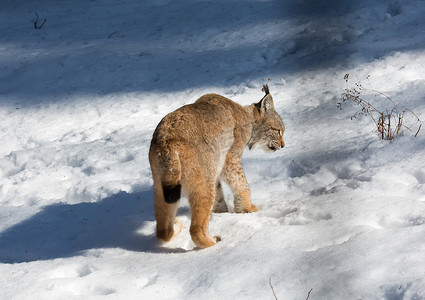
{"points": [[341, 213]]}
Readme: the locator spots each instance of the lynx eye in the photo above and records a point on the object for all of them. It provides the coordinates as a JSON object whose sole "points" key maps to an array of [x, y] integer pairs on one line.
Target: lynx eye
{"points": [[279, 131]]}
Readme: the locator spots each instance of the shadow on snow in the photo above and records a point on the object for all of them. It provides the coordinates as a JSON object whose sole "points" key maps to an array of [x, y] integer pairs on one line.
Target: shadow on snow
{"points": [[65, 230], [112, 47]]}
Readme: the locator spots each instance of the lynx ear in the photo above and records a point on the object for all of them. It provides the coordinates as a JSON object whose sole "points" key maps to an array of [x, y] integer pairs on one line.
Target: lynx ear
{"points": [[266, 103]]}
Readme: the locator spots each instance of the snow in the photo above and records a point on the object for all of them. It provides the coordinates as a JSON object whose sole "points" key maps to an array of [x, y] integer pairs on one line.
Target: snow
{"points": [[341, 212]]}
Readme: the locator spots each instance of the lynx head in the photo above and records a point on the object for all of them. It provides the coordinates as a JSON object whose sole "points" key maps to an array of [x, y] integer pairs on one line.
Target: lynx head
{"points": [[268, 130]]}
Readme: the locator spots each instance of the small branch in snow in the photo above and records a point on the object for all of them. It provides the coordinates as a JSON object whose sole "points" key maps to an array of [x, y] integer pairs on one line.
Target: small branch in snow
{"points": [[36, 26], [109, 36], [418, 130], [270, 283], [389, 122], [308, 296]]}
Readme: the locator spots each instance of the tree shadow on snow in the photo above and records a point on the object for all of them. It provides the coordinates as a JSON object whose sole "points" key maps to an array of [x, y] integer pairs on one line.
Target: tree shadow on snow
{"points": [[65, 230], [143, 46]]}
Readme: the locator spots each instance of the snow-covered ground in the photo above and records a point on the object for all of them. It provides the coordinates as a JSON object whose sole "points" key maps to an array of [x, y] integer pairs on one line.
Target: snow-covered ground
{"points": [[342, 214]]}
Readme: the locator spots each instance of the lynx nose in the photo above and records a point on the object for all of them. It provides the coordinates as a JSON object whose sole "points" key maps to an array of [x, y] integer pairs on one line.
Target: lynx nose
{"points": [[282, 144]]}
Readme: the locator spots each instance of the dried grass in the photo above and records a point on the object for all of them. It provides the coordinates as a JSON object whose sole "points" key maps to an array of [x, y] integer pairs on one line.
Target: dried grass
{"points": [[390, 122]]}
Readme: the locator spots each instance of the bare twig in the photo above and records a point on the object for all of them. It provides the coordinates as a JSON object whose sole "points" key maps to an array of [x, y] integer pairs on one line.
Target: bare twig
{"points": [[308, 296], [109, 36], [418, 130], [389, 123], [270, 283], [36, 20], [36, 26]]}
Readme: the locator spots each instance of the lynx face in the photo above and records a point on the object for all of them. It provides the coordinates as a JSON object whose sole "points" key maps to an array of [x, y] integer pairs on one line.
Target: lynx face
{"points": [[268, 132]]}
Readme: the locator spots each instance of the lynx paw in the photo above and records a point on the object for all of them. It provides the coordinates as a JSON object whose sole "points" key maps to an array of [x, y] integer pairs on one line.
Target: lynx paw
{"points": [[213, 240], [169, 234], [252, 208], [201, 238]]}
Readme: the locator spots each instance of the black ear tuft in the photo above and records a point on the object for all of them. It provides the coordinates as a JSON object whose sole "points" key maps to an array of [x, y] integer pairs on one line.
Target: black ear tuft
{"points": [[265, 89], [266, 103]]}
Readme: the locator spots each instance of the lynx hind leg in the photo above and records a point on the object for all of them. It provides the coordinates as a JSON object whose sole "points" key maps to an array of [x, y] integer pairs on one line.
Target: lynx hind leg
{"points": [[167, 225], [219, 203], [201, 200]]}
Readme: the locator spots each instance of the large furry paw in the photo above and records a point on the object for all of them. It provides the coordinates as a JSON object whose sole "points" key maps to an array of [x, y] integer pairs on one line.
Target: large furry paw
{"points": [[202, 239], [166, 235], [214, 240], [252, 208]]}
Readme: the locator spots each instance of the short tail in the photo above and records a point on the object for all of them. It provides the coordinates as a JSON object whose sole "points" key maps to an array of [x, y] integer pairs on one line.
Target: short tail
{"points": [[172, 192], [171, 175]]}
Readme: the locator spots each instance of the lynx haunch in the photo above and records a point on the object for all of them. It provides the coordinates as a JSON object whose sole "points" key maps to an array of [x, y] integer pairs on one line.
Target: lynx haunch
{"points": [[199, 145]]}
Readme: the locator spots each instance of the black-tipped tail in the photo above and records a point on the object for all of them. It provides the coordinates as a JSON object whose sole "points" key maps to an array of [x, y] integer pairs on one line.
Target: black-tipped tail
{"points": [[171, 193]]}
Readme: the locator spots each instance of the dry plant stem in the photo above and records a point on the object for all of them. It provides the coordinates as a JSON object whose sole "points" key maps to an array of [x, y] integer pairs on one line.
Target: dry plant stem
{"points": [[36, 26], [418, 130], [388, 123], [308, 296], [270, 283]]}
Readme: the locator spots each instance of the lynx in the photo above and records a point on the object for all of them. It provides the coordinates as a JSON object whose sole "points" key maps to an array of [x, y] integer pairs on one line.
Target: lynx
{"points": [[199, 145]]}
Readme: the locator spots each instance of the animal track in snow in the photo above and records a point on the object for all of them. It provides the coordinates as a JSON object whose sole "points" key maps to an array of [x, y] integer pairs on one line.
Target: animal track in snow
{"points": [[147, 281], [15, 163], [123, 156], [75, 161], [305, 217], [71, 271], [325, 179], [403, 290], [330, 243], [394, 222], [89, 171], [420, 176], [297, 169], [70, 279], [79, 288], [275, 212]]}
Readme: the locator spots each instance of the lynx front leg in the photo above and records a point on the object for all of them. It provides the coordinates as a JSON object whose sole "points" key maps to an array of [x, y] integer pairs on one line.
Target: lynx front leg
{"points": [[234, 176], [219, 204]]}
